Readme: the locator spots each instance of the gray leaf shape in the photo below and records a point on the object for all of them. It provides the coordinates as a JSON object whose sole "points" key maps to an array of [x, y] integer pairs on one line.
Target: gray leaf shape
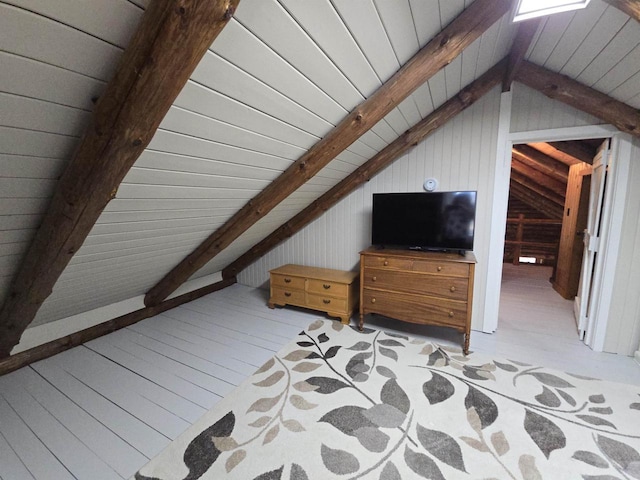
{"points": [[264, 404], [527, 465], [387, 352], [484, 406], [422, 465], [442, 446], [390, 343], [437, 357], [600, 477], [326, 385], [332, 351], [339, 461], [551, 380], [372, 439], [545, 434], [347, 419], [567, 398], [393, 394], [438, 389], [548, 398], [593, 420], [597, 398], [590, 458], [297, 473], [267, 365], [323, 338], [356, 364], [201, 452], [618, 452], [385, 416], [602, 410], [397, 335], [270, 380], [390, 472], [506, 366], [272, 475], [360, 346], [385, 372], [635, 406]]}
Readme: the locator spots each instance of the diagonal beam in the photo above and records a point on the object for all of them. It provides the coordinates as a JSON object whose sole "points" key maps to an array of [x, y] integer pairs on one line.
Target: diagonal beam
{"points": [[168, 44], [551, 209], [551, 151], [542, 162], [434, 56], [576, 149], [465, 98], [630, 7], [526, 31], [562, 88], [554, 189]]}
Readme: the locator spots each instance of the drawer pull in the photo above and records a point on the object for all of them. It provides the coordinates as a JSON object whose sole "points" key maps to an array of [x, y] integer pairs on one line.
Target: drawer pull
{"points": [[326, 302], [386, 263], [287, 280], [326, 286], [287, 294], [373, 279], [373, 300], [451, 314], [453, 288], [439, 269]]}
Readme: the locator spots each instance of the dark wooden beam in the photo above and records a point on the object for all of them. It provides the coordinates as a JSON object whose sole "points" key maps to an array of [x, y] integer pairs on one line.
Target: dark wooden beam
{"points": [[566, 90], [526, 31], [550, 151], [543, 192], [466, 97], [170, 41], [19, 360], [541, 162], [557, 187], [435, 55], [576, 149], [630, 7], [535, 201]]}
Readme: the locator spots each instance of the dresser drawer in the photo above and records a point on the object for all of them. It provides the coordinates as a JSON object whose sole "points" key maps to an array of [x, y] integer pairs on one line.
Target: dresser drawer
{"points": [[388, 262], [416, 309], [325, 302], [454, 288], [282, 296], [323, 287], [287, 281], [418, 265]]}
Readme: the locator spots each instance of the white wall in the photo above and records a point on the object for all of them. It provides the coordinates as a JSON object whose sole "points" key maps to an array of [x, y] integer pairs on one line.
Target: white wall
{"points": [[461, 155]]}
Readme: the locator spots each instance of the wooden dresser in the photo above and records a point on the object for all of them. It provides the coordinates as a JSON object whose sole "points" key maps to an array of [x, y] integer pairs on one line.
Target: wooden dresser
{"points": [[332, 291], [430, 288]]}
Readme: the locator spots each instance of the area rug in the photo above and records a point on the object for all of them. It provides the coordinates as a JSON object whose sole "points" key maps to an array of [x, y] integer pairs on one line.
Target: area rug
{"points": [[339, 403]]}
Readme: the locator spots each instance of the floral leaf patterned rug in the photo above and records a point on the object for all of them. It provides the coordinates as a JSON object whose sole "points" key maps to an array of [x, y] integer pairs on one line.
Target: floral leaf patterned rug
{"points": [[338, 403]]}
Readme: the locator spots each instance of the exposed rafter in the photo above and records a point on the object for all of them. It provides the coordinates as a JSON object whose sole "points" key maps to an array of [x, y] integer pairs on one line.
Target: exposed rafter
{"points": [[436, 54], [526, 31], [172, 37], [542, 162], [550, 151], [557, 189], [562, 88], [576, 149], [542, 191], [466, 97], [531, 198], [630, 7]]}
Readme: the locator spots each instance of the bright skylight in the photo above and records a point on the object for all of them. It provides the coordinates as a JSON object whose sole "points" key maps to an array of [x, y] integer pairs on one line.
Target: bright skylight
{"points": [[537, 8]]}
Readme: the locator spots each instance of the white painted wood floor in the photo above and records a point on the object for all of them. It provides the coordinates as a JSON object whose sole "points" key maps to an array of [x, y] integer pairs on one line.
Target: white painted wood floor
{"points": [[100, 411]]}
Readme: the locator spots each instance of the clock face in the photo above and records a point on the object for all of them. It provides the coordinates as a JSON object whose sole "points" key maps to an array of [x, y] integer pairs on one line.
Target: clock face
{"points": [[430, 184]]}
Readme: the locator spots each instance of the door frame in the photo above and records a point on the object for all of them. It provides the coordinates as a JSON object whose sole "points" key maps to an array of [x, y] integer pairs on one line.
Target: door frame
{"points": [[612, 217]]}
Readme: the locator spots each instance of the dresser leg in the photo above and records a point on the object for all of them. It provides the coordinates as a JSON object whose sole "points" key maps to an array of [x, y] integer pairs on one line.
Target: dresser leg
{"points": [[361, 322], [466, 343]]}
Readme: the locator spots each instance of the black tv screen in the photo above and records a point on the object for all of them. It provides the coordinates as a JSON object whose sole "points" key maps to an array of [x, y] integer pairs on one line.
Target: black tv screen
{"points": [[427, 221]]}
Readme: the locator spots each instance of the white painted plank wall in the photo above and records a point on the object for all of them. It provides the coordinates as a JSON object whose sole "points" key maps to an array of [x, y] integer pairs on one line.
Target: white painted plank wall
{"points": [[460, 155], [623, 329]]}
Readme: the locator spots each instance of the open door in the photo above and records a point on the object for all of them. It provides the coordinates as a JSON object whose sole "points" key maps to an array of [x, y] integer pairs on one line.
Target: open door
{"points": [[592, 236]]}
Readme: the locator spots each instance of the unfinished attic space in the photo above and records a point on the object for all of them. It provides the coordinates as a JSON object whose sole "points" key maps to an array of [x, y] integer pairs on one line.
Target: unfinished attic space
{"points": [[283, 239]]}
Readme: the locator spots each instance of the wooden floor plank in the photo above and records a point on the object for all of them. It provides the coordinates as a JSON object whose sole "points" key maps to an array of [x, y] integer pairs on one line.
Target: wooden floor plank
{"points": [[11, 467], [144, 439], [119, 455]]}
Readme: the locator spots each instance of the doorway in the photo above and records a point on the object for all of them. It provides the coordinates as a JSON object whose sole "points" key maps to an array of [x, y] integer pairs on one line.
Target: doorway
{"points": [[548, 207]]}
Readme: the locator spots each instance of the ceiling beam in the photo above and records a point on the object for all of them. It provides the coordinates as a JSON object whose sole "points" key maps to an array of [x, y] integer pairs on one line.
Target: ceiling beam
{"points": [[562, 88], [434, 56], [172, 37], [542, 162], [465, 98], [576, 149], [541, 191], [630, 7], [550, 151], [526, 31], [555, 187], [535, 201]]}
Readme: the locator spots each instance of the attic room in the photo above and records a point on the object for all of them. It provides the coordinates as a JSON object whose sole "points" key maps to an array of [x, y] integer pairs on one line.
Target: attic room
{"points": [[162, 162]]}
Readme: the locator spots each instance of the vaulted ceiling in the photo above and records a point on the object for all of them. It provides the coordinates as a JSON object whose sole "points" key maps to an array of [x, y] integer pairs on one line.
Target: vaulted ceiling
{"points": [[280, 76]]}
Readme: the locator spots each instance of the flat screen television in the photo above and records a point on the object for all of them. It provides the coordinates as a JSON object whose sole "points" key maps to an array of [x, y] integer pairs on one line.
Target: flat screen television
{"points": [[425, 221]]}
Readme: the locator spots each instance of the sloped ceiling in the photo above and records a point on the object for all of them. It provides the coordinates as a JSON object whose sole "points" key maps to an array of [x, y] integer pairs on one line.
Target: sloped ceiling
{"points": [[276, 80]]}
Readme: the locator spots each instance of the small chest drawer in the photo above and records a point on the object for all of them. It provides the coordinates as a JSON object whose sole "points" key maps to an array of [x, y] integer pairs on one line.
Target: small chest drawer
{"points": [[454, 288], [323, 287], [284, 295], [287, 281], [417, 265], [325, 302]]}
